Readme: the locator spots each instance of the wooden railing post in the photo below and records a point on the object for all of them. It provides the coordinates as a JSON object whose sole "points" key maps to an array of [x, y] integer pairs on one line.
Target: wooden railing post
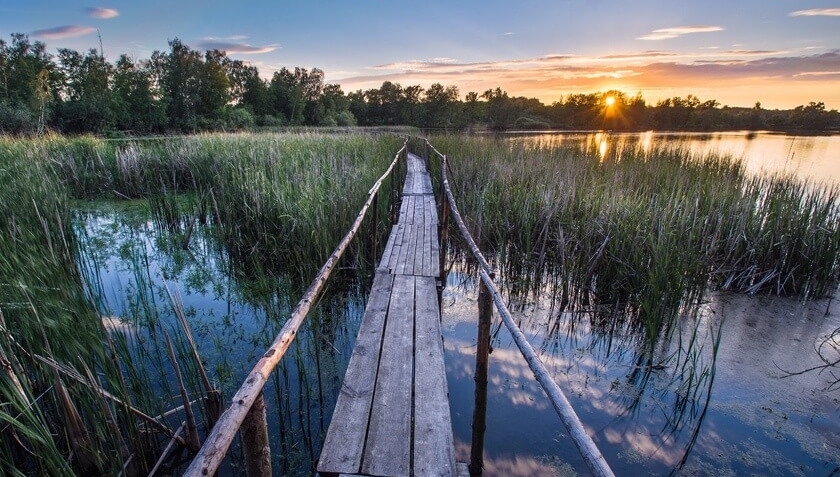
{"points": [[443, 227], [482, 359], [375, 227], [255, 444]]}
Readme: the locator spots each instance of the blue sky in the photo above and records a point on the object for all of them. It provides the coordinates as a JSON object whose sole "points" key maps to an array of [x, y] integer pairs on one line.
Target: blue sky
{"points": [[782, 53]]}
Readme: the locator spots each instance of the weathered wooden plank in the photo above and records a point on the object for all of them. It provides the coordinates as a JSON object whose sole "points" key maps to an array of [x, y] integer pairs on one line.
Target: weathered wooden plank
{"points": [[404, 266], [430, 225], [385, 260], [398, 245], [344, 443], [387, 451], [433, 440], [420, 251]]}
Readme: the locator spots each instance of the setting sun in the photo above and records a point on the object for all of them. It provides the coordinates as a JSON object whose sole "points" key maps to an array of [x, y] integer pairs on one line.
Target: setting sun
{"points": [[609, 101]]}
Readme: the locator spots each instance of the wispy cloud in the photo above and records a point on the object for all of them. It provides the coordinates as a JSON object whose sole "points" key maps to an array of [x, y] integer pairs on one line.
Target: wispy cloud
{"points": [[62, 32], [656, 73], [234, 45], [102, 13], [817, 73], [817, 12], [675, 32]]}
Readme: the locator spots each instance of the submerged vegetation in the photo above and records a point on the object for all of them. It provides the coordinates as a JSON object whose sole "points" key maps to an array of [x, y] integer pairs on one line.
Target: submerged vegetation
{"points": [[635, 233]]}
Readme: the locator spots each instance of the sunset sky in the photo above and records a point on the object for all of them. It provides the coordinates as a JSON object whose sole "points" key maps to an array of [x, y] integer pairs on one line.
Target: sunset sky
{"points": [[782, 53]]}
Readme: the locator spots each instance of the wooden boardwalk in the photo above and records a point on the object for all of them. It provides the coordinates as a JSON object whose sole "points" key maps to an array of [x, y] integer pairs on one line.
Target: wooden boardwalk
{"points": [[392, 415]]}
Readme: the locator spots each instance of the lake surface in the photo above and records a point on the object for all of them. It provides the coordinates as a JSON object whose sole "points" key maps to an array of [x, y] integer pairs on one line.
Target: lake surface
{"points": [[813, 158], [718, 401]]}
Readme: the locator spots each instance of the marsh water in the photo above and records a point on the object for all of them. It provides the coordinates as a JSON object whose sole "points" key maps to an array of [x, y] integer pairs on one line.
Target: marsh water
{"points": [[719, 398]]}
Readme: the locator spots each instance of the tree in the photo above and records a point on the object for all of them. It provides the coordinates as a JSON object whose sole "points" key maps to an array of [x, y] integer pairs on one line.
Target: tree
{"points": [[134, 101], [85, 93], [441, 106], [21, 62], [213, 85]]}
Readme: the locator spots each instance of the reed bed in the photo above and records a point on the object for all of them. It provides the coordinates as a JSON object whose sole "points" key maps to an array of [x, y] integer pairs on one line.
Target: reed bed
{"points": [[642, 233], [54, 418], [282, 198], [276, 205]]}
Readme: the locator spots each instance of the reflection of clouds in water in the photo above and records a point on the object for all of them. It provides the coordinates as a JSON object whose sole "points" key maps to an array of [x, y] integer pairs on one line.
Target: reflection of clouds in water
{"points": [[512, 465], [645, 418]]}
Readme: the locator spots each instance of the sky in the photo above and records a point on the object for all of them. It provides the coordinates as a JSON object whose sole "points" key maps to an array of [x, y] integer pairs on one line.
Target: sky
{"points": [[780, 53]]}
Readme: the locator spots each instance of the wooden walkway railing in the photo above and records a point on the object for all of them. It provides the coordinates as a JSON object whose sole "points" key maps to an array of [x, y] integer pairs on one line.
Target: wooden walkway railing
{"points": [[591, 455]]}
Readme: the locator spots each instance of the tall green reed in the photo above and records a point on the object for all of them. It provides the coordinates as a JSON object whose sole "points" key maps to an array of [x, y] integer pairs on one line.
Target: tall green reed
{"points": [[643, 233]]}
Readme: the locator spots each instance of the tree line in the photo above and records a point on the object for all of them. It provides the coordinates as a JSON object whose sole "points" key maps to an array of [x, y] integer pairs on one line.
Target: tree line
{"points": [[185, 90]]}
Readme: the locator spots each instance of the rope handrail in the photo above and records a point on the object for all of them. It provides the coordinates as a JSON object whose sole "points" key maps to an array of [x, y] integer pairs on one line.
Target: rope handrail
{"points": [[586, 446], [210, 456]]}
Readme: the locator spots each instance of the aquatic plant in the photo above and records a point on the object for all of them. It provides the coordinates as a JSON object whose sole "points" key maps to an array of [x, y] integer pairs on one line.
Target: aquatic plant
{"points": [[640, 234]]}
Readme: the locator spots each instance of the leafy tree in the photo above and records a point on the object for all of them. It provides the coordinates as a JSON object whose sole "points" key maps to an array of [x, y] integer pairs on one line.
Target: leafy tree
{"points": [[21, 63], [134, 101], [85, 92], [441, 107]]}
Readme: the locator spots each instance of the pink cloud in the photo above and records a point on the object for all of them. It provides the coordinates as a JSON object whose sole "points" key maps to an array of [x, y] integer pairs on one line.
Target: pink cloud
{"points": [[234, 45], [62, 32], [669, 33], [102, 13]]}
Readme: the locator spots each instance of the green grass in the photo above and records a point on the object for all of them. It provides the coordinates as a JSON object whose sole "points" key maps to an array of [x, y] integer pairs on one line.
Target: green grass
{"points": [[642, 234]]}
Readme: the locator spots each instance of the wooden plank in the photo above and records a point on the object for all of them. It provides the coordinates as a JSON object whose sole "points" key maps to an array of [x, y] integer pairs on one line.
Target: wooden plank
{"points": [[427, 235], [388, 447], [402, 267], [344, 443], [398, 244], [420, 222], [385, 260], [433, 441]]}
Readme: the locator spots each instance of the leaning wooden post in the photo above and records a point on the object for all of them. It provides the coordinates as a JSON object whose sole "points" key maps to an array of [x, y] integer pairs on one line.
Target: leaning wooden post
{"points": [[482, 358], [375, 226], [443, 230], [255, 444]]}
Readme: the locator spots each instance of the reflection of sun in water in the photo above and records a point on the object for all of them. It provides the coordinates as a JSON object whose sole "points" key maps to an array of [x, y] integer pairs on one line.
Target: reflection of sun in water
{"points": [[646, 140], [609, 101], [602, 143]]}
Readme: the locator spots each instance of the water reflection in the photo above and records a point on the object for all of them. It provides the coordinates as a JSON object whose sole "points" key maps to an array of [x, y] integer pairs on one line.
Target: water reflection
{"points": [[809, 157], [711, 398], [234, 314]]}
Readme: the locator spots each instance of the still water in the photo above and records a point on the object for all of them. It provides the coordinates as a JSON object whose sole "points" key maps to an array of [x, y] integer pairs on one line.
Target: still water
{"points": [[719, 399], [812, 158]]}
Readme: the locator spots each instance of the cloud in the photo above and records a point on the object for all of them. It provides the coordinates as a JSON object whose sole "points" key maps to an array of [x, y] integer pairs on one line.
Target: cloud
{"points": [[234, 45], [764, 75], [675, 32], [102, 13], [817, 12], [62, 32]]}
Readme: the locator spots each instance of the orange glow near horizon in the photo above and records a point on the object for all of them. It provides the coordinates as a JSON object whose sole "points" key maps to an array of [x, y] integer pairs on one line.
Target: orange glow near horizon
{"points": [[609, 101]]}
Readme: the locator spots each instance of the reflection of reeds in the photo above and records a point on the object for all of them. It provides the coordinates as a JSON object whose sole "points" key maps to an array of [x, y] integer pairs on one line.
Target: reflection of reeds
{"points": [[641, 234], [276, 201]]}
